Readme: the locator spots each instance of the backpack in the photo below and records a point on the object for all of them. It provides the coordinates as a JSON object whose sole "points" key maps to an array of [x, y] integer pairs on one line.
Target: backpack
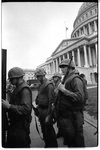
{"points": [[70, 78]]}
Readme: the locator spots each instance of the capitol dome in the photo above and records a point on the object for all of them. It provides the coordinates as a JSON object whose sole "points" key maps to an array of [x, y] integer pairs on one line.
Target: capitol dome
{"points": [[85, 6], [83, 45], [86, 15]]}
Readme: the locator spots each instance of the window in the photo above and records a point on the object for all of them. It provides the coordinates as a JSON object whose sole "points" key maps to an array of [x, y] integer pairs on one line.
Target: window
{"points": [[95, 11], [83, 17], [92, 26], [91, 12], [86, 15]]}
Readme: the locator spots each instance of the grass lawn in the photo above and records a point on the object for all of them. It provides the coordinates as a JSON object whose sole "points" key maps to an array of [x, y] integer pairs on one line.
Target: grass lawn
{"points": [[92, 107]]}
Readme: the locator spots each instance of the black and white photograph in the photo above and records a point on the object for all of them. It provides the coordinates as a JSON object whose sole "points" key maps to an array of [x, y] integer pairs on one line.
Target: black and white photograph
{"points": [[49, 74]]}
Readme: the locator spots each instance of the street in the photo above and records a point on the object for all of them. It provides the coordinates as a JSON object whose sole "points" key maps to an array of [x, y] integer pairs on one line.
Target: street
{"points": [[91, 139], [36, 141]]}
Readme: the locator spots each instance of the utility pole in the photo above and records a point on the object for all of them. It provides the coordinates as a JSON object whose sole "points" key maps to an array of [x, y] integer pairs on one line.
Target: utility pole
{"points": [[4, 115], [65, 30]]}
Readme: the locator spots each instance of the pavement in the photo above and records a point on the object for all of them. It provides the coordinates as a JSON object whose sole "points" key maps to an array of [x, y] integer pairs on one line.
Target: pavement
{"points": [[89, 128], [91, 139]]}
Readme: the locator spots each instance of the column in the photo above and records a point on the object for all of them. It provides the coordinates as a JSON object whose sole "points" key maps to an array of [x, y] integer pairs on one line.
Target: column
{"points": [[67, 55], [79, 32], [90, 56], [93, 78], [85, 57], [59, 63], [87, 29], [63, 57], [95, 26], [56, 65], [79, 60], [76, 33], [84, 29], [73, 56], [53, 66], [49, 69], [96, 53], [90, 31]]}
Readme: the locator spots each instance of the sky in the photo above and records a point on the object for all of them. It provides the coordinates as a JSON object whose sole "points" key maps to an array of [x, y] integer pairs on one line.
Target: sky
{"points": [[31, 31]]}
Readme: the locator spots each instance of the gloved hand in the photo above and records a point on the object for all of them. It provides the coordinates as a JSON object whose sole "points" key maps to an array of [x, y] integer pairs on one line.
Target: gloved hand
{"points": [[35, 110], [47, 120], [52, 107], [6, 104], [56, 91], [61, 87]]}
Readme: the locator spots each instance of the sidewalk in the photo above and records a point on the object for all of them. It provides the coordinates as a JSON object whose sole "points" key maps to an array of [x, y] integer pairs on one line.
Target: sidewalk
{"points": [[95, 86]]}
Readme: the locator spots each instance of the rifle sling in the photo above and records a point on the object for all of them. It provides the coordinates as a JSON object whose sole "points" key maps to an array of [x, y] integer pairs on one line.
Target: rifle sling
{"points": [[36, 124], [37, 128]]}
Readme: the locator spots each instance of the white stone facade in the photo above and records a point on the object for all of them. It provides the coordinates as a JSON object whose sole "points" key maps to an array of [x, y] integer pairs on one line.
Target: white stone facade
{"points": [[29, 74], [83, 45]]}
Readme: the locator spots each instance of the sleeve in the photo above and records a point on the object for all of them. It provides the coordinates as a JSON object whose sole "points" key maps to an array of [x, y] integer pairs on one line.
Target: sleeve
{"points": [[77, 92], [50, 93], [25, 106], [51, 97]]}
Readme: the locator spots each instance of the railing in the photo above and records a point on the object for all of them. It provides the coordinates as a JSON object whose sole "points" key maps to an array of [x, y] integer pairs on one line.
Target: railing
{"points": [[91, 122]]}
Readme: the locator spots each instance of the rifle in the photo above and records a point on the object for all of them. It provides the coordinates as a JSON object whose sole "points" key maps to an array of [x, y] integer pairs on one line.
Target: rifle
{"points": [[4, 115], [36, 124], [67, 70], [58, 100], [51, 117], [35, 110]]}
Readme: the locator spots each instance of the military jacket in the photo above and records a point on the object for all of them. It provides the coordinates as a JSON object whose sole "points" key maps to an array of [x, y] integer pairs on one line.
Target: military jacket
{"points": [[21, 106], [74, 101], [45, 94]]}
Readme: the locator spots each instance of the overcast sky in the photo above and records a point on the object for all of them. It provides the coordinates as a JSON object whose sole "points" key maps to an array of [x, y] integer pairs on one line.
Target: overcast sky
{"points": [[32, 31]]}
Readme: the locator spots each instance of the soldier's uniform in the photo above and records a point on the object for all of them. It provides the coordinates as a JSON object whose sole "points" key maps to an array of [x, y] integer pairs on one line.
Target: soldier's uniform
{"points": [[70, 108], [45, 101], [19, 113], [57, 80]]}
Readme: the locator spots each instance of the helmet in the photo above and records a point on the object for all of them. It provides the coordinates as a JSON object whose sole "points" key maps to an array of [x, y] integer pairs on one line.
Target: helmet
{"points": [[66, 62], [40, 72], [82, 75], [15, 72], [57, 74]]}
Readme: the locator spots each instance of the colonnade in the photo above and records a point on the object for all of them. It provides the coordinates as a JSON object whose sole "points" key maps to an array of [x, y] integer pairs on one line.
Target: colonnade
{"points": [[83, 56], [87, 29]]}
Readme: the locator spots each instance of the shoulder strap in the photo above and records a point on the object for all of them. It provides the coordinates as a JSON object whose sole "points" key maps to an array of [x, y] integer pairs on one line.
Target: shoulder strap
{"points": [[47, 83], [22, 86], [37, 128], [71, 78]]}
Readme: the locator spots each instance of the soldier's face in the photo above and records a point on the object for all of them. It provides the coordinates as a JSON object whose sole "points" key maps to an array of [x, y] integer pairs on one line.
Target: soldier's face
{"points": [[56, 79], [64, 69], [14, 81], [40, 78]]}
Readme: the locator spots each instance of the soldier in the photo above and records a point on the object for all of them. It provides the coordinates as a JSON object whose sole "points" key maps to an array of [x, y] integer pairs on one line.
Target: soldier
{"points": [[9, 90], [84, 78], [19, 111], [45, 103], [85, 88], [56, 80], [70, 102]]}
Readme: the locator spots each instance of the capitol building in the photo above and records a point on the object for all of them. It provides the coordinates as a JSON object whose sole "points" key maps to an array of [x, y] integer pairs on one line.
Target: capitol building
{"points": [[83, 45]]}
